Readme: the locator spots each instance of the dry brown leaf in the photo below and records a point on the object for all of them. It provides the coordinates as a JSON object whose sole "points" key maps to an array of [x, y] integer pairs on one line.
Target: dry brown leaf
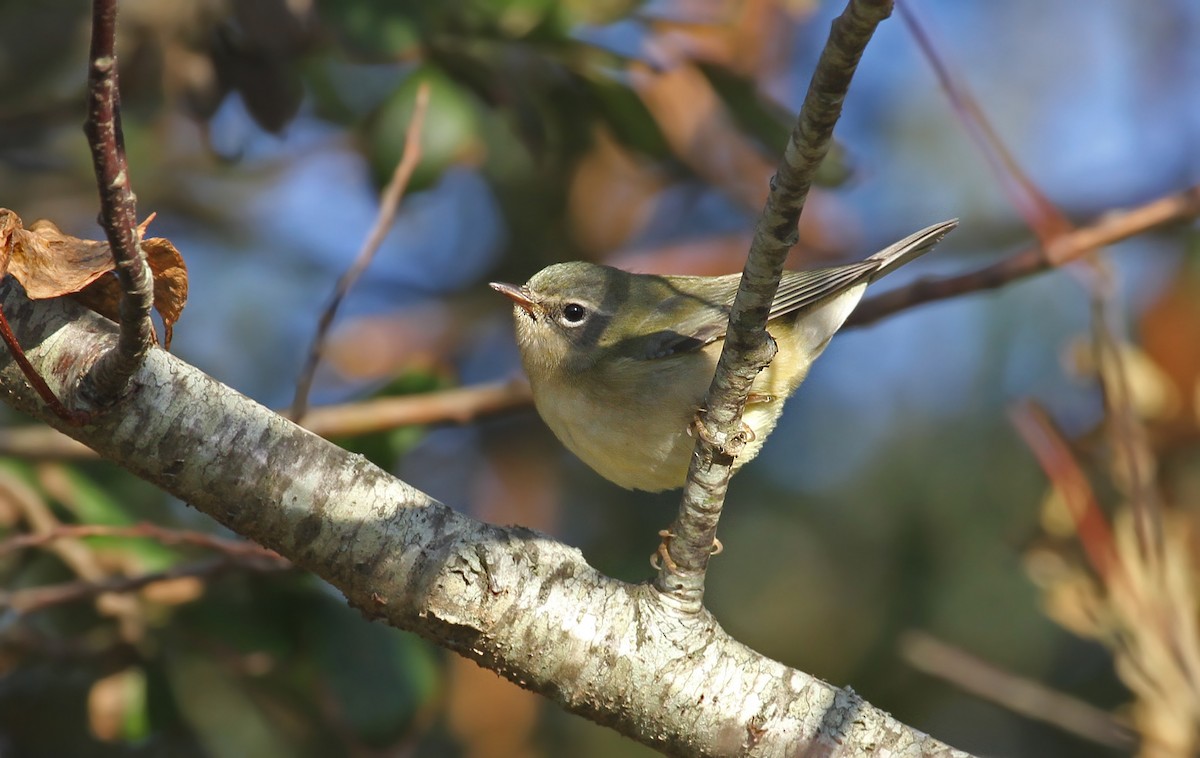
{"points": [[701, 132], [177, 591], [613, 195], [170, 286], [111, 701], [1168, 330], [49, 263]]}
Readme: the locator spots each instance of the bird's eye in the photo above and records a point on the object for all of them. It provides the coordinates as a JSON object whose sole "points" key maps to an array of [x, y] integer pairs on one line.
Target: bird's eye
{"points": [[574, 313]]}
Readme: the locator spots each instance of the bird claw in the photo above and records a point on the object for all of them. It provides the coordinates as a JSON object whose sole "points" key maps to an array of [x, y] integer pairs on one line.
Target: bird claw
{"points": [[662, 556], [743, 435]]}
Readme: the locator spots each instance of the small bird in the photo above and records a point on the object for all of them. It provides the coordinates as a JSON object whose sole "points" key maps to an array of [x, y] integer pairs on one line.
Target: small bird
{"points": [[619, 363]]}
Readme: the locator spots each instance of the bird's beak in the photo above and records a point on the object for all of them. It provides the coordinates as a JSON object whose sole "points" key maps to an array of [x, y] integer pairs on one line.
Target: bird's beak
{"points": [[518, 295]]}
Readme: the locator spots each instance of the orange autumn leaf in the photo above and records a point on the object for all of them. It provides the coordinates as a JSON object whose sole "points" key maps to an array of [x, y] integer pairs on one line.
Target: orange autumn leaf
{"points": [[49, 263]]}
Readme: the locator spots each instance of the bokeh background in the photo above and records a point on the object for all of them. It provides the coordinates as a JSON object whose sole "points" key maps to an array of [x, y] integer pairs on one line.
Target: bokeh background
{"points": [[894, 498]]}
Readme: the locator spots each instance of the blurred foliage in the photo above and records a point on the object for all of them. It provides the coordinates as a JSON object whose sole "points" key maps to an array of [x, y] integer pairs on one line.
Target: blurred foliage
{"points": [[638, 133]]}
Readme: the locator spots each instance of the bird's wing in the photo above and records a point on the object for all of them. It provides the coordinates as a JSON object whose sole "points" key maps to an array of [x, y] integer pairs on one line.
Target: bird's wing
{"points": [[701, 318], [800, 289], [698, 307]]}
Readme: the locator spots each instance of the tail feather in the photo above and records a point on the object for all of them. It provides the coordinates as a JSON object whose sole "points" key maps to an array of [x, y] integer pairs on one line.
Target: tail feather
{"points": [[916, 244]]}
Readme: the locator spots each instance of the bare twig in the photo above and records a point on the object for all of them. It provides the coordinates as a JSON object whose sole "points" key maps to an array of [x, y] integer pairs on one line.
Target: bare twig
{"points": [[393, 193], [748, 347], [240, 549], [1018, 694], [74, 555], [1134, 461], [72, 417], [1056, 459], [458, 405], [40, 598], [1110, 228], [1043, 216], [39, 442], [118, 208]]}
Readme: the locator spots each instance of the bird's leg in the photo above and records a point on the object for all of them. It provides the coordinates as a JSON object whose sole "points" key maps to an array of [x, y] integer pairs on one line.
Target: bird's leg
{"points": [[746, 433], [662, 556]]}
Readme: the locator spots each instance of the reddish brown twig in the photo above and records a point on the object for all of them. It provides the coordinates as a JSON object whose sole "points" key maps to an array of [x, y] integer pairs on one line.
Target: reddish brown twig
{"points": [[393, 193], [1042, 216], [72, 417], [1056, 459], [1031, 699], [1108, 229], [40, 598], [118, 207]]}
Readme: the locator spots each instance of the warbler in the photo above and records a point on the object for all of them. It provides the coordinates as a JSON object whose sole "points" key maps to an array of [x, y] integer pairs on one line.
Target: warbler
{"points": [[619, 363]]}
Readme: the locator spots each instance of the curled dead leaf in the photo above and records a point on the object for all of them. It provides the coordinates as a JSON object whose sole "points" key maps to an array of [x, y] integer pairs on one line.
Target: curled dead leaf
{"points": [[170, 286], [49, 263]]}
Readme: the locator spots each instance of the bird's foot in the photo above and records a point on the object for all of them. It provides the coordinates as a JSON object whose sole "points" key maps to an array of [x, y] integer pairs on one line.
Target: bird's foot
{"points": [[662, 556]]}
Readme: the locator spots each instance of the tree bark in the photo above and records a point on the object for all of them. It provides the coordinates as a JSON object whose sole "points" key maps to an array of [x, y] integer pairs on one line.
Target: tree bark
{"points": [[513, 600]]}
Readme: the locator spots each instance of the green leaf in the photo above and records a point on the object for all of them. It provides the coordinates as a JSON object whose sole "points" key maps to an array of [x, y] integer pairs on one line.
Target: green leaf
{"points": [[625, 113], [450, 133], [225, 718], [384, 30], [379, 677]]}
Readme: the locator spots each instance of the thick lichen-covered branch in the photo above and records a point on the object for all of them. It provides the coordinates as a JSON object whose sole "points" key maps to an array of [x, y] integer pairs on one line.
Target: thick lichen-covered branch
{"points": [[515, 601]]}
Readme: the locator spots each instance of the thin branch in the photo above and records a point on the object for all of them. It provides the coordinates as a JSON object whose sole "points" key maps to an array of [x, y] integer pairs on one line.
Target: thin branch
{"points": [[38, 599], [1064, 472], [748, 348], [118, 208], [1106, 230], [1043, 216], [1126, 433], [459, 405], [76, 556], [393, 193], [1021, 695], [233, 549], [72, 417]]}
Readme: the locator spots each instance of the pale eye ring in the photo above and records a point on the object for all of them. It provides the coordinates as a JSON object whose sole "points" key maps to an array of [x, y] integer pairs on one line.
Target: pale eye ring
{"points": [[574, 314]]}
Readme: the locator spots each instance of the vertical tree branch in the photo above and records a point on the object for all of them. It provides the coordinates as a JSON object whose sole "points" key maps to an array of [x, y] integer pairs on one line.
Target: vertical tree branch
{"points": [[389, 203], [118, 207], [748, 348]]}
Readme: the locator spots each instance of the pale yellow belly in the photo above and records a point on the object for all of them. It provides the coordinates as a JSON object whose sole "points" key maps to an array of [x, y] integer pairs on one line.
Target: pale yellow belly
{"points": [[638, 438]]}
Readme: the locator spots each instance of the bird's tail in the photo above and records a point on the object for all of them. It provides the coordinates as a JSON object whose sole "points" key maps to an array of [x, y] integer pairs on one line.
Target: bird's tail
{"points": [[916, 244]]}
